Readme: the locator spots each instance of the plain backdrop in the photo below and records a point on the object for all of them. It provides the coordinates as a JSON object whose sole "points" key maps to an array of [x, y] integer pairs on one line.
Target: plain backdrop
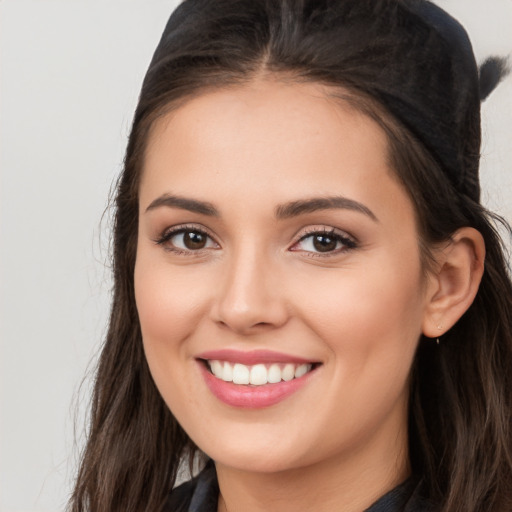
{"points": [[70, 76]]}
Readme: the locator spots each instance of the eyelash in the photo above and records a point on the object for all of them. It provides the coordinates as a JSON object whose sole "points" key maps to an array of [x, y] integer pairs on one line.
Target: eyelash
{"points": [[346, 241], [165, 238]]}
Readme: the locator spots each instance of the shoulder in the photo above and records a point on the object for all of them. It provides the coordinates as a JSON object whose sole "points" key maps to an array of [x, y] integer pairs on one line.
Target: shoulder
{"points": [[200, 494], [407, 497], [417, 501]]}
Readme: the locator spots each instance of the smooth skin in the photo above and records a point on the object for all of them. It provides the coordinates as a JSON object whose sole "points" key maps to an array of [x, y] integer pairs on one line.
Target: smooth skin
{"points": [[246, 276]]}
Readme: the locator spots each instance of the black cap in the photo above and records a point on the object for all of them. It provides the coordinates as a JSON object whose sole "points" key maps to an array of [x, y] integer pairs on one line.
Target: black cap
{"points": [[428, 78], [410, 55]]}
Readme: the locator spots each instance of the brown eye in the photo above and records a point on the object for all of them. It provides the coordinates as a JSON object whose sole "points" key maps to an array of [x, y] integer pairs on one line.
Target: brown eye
{"points": [[324, 243], [194, 240], [187, 240]]}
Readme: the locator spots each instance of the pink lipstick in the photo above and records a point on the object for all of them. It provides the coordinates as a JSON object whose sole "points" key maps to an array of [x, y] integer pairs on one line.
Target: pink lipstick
{"points": [[254, 379]]}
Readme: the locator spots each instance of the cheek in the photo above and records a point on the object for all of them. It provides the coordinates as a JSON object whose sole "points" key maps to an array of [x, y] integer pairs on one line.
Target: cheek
{"points": [[170, 306], [371, 323], [369, 317], [170, 303]]}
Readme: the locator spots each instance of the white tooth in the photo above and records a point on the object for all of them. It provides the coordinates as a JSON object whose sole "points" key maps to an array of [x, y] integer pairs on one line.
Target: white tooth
{"points": [[227, 372], [288, 372], [240, 374], [274, 374], [258, 375], [216, 368], [302, 370]]}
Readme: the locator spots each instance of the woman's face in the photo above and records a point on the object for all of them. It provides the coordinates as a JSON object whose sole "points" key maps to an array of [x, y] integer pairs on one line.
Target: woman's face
{"points": [[277, 248]]}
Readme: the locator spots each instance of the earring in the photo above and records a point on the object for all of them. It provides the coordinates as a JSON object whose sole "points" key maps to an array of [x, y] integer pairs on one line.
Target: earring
{"points": [[439, 327]]}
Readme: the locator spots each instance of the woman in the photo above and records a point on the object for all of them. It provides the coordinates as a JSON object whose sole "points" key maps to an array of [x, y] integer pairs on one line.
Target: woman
{"points": [[300, 287]]}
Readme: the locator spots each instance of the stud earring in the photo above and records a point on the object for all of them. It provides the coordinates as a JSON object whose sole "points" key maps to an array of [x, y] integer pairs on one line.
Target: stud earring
{"points": [[439, 327]]}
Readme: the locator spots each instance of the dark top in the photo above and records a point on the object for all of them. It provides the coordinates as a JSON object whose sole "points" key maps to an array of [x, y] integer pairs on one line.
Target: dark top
{"points": [[202, 492]]}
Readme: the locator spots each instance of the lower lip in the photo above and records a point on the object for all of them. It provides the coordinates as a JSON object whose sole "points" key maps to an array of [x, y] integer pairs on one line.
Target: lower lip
{"points": [[252, 397]]}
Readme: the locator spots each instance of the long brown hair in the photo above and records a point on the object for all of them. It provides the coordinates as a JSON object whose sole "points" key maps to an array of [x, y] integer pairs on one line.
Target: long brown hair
{"points": [[461, 391]]}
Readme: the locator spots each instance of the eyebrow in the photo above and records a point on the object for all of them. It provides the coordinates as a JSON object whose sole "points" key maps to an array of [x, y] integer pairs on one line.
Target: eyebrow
{"points": [[184, 203], [300, 207], [284, 211]]}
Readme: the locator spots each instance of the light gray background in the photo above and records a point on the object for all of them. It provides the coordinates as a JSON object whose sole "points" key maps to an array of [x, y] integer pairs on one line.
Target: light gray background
{"points": [[70, 76]]}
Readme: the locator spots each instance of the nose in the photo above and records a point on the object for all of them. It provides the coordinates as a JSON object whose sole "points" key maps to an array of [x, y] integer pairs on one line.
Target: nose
{"points": [[250, 297]]}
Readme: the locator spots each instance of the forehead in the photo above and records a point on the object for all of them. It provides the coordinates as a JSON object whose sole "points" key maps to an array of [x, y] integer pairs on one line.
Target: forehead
{"points": [[268, 140], [261, 114]]}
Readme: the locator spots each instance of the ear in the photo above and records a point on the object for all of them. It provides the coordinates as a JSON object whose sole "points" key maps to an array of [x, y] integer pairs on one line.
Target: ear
{"points": [[452, 287]]}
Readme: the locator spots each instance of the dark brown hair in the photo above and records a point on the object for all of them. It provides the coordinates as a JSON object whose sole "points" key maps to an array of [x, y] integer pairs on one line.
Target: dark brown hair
{"points": [[461, 391]]}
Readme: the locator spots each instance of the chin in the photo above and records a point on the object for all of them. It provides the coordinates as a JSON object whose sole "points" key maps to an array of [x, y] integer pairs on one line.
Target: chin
{"points": [[250, 448], [257, 461]]}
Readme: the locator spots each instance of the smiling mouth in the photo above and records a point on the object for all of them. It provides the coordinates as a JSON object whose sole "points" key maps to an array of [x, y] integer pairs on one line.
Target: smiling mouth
{"points": [[257, 374]]}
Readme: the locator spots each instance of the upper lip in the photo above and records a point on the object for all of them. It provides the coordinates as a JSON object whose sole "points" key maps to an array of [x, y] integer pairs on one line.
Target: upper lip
{"points": [[251, 357]]}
